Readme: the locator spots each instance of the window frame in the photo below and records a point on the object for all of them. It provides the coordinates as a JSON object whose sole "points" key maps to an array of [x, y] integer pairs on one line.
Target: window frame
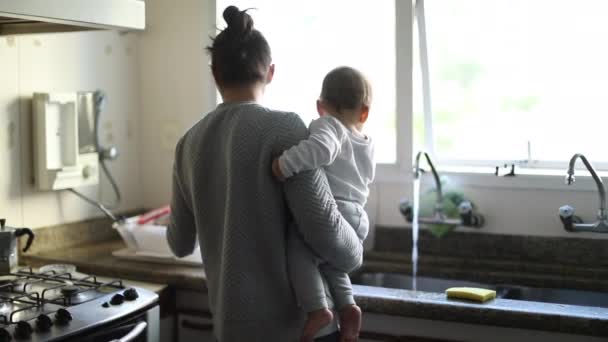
{"points": [[401, 168], [532, 173], [526, 166]]}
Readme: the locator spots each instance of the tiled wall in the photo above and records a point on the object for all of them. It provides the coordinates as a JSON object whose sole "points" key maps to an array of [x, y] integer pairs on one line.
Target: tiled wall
{"points": [[60, 63]]}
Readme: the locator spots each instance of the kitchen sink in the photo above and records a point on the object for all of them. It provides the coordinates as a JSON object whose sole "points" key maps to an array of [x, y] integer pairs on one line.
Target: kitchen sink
{"points": [[534, 294], [403, 281], [557, 296]]}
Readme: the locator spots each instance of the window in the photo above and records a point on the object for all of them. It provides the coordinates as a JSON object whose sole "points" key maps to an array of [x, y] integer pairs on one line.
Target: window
{"points": [[515, 80], [309, 38]]}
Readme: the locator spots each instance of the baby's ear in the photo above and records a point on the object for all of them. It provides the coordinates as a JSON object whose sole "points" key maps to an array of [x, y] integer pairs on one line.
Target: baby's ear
{"points": [[364, 114], [270, 74], [320, 108]]}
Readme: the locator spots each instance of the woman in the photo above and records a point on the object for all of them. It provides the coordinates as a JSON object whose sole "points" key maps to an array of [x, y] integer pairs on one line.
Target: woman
{"points": [[224, 191]]}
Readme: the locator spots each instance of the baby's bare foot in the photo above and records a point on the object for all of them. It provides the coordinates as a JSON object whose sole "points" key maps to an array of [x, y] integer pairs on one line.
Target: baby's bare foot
{"points": [[350, 323], [315, 321]]}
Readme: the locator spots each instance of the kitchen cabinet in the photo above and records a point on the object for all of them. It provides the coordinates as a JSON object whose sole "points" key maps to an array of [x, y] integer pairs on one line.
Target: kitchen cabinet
{"points": [[193, 319], [194, 328], [386, 328], [381, 328]]}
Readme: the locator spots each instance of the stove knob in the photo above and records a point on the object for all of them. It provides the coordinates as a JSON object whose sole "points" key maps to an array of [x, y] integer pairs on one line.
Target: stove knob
{"points": [[131, 294], [44, 323], [23, 330], [117, 299], [5, 336], [63, 317]]}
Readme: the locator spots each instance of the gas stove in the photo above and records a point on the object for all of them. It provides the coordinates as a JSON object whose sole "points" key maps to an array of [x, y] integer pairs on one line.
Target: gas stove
{"points": [[70, 306]]}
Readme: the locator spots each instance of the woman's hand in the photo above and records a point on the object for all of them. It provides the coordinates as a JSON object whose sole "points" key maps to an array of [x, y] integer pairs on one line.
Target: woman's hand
{"points": [[276, 171]]}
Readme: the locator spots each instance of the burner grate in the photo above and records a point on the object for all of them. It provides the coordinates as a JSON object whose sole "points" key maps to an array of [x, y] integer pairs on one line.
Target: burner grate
{"points": [[34, 292]]}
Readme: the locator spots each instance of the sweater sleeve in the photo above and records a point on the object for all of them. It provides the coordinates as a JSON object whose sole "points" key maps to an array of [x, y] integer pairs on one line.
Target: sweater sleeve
{"points": [[181, 233], [312, 204], [321, 147]]}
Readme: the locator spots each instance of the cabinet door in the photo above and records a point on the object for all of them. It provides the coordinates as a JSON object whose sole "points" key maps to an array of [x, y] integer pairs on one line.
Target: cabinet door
{"points": [[192, 328], [383, 328]]}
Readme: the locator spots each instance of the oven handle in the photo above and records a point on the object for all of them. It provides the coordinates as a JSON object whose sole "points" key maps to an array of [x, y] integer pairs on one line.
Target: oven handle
{"points": [[133, 334]]}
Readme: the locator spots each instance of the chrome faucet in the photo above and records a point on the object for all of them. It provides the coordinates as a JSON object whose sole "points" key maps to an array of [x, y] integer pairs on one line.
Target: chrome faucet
{"points": [[418, 171], [574, 223], [465, 208]]}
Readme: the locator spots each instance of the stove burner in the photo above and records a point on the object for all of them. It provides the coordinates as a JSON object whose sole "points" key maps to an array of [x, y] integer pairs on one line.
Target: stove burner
{"points": [[42, 306], [26, 295], [69, 290]]}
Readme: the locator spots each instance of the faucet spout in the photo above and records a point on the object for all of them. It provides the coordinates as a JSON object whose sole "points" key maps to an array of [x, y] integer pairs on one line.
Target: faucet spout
{"points": [[468, 217], [417, 172], [598, 182]]}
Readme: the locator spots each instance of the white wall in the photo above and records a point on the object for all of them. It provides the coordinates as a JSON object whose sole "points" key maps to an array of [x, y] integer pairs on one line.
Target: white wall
{"points": [[507, 210], [176, 85], [66, 62]]}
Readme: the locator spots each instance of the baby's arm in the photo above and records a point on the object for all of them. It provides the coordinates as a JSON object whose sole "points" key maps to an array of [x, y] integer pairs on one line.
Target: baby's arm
{"points": [[320, 149]]}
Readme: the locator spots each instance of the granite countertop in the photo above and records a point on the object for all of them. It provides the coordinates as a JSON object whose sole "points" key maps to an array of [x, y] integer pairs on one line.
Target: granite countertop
{"points": [[97, 258], [570, 319]]}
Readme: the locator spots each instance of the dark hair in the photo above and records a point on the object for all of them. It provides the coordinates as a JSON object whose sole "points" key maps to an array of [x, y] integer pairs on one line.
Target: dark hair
{"points": [[239, 53], [346, 88]]}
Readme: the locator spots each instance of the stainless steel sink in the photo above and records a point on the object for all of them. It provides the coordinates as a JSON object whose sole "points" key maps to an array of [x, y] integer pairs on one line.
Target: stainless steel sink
{"points": [[557, 296], [534, 294], [402, 281]]}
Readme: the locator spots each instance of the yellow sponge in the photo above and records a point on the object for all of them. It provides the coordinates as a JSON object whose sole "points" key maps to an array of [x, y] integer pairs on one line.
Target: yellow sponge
{"points": [[471, 293]]}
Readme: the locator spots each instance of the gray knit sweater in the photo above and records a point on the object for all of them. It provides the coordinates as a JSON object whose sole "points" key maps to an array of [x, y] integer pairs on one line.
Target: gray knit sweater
{"points": [[223, 191]]}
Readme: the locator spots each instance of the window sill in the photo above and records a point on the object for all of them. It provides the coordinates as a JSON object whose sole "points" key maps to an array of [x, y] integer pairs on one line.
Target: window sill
{"points": [[526, 179], [483, 177]]}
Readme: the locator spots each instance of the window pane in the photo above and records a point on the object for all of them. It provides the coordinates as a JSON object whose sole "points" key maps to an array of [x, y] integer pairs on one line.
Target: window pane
{"points": [[508, 72], [309, 38]]}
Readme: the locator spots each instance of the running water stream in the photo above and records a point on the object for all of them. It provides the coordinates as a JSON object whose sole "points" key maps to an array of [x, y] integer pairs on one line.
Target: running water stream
{"points": [[415, 228]]}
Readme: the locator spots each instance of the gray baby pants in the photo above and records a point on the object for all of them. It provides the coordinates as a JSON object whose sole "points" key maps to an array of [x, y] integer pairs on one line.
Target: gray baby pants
{"points": [[306, 269]]}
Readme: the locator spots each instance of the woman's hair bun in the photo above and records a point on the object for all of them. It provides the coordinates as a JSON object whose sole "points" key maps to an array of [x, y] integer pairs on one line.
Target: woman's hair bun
{"points": [[238, 21]]}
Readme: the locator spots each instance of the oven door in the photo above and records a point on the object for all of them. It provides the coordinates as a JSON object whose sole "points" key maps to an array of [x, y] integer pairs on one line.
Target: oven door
{"points": [[141, 327]]}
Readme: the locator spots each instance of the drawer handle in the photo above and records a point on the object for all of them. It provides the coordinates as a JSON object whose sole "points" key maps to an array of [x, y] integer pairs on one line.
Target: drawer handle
{"points": [[133, 334], [197, 326]]}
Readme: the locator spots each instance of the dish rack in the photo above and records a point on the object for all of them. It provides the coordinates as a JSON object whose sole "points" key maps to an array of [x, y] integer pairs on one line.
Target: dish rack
{"points": [[129, 228], [144, 236]]}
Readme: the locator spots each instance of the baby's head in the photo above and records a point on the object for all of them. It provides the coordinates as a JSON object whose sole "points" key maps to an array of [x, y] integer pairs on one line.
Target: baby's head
{"points": [[347, 95]]}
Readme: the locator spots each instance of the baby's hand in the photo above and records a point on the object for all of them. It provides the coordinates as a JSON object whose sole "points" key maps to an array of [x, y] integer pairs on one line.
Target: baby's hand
{"points": [[276, 171]]}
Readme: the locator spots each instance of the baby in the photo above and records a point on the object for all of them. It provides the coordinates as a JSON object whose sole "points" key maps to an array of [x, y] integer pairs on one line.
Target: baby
{"points": [[337, 144]]}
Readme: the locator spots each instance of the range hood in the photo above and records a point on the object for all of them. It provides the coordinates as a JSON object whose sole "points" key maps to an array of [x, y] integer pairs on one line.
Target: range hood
{"points": [[42, 16]]}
